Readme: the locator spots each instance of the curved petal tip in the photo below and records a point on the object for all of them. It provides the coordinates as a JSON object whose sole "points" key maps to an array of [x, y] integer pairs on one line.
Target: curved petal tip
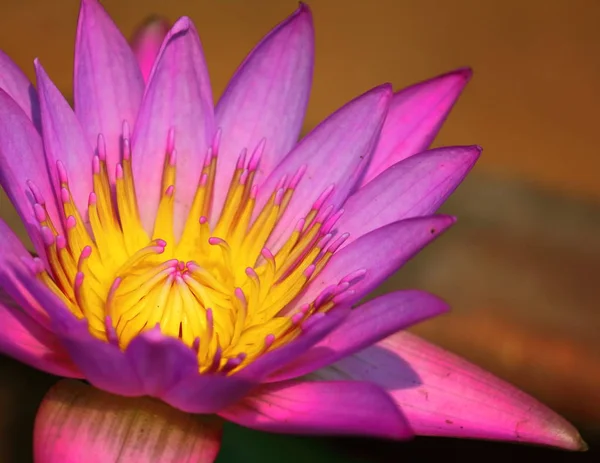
{"points": [[303, 8], [183, 24], [386, 88], [465, 72], [572, 440], [580, 444], [444, 395]]}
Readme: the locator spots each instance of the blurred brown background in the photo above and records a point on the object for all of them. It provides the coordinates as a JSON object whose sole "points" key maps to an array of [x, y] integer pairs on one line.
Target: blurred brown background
{"points": [[521, 267]]}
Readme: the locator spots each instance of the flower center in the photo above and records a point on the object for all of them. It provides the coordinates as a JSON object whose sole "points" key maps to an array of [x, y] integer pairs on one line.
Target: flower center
{"points": [[220, 290]]}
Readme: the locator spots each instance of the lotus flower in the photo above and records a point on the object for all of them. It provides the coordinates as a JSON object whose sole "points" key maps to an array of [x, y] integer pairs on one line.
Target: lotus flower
{"points": [[203, 256]]}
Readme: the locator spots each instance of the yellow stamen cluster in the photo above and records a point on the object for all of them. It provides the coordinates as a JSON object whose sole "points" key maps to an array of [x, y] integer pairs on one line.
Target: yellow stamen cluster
{"points": [[219, 290]]}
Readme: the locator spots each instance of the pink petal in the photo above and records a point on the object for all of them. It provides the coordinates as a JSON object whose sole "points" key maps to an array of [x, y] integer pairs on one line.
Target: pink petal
{"points": [[267, 99], [25, 340], [146, 43], [211, 393], [415, 117], [414, 187], [443, 395], [22, 159], [14, 82], [335, 153], [79, 423], [108, 84], [378, 253], [366, 325], [64, 141], [178, 97], [333, 408]]}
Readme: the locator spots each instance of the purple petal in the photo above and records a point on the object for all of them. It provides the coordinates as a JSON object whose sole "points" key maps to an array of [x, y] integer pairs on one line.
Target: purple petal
{"points": [[211, 393], [13, 255], [25, 340], [206, 393], [414, 187], [159, 361], [443, 395], [27, 332], [415, 117], [267, 99], [168, 369], [366, 325], [64, 141], [178, 97], [79, 423], [331, 408], [103, 364], [14, 82], [378, 253], [22, 159], [108, 84], [147, 42], [335, 153]]}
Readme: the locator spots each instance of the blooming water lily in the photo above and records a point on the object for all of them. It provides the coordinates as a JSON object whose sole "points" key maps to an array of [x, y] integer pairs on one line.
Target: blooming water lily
{"points": [[201, 255]]}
